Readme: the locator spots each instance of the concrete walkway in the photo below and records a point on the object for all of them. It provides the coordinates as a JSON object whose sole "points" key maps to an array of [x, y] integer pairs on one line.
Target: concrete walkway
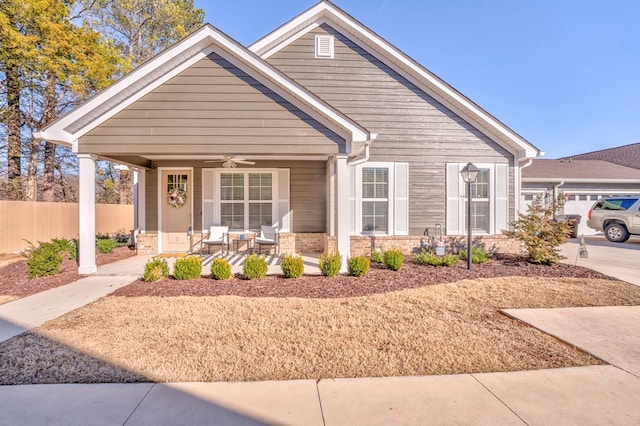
{"points": [[604, 394]]}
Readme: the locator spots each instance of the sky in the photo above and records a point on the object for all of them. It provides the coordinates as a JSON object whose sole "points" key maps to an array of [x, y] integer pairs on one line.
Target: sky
{"points": [[564, 74]]}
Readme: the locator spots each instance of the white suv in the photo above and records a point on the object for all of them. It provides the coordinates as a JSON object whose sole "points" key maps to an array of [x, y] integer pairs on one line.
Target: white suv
{"points": [[617, 217]]}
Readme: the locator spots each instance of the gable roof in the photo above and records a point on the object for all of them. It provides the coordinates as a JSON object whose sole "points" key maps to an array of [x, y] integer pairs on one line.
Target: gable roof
{"points": [[158, 70], [626, 155], [326, 12], [547, 170]]}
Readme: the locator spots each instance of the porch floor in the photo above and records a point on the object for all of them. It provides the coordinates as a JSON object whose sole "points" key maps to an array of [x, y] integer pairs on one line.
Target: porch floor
{"points": [[135, 265]]}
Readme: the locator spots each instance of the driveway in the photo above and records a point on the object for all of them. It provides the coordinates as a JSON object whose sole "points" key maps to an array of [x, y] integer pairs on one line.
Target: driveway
{"points": [[619, 260]]}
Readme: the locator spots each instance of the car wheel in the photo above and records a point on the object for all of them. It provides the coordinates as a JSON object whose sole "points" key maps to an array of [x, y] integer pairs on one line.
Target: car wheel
{"points": [[616, 233]]}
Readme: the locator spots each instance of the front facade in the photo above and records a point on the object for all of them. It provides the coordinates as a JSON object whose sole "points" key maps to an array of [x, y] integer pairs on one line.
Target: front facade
{"points": [[321, 129]]}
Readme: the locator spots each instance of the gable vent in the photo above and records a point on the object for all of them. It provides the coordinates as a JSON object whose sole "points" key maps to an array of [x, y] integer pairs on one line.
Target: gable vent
{"points": [[324, 46]]}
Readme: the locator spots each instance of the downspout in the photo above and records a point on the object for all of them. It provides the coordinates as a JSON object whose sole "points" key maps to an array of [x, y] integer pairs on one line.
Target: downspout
{"points": [[364, 159], [555, 193], [518, 198]]}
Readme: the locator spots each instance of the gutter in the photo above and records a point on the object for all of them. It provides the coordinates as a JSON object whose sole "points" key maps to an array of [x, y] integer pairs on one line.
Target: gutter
{"points": [[367, 145]]}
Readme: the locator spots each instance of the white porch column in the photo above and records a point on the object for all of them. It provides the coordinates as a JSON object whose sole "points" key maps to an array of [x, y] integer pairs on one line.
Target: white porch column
{"points": [[343, 215], [139, 194], [87, 214]]}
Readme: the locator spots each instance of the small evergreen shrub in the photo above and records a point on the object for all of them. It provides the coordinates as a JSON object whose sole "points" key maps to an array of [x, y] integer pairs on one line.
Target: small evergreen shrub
{"points": [[220, 269], [106, 245], [358, 266], [478, 255], [187, 268], [429, 258], [540, 233], [155, 269], [255, 267], [377, 256], [44, 260], [66, 248], [330, 264], [393, 259], [292, 266]]}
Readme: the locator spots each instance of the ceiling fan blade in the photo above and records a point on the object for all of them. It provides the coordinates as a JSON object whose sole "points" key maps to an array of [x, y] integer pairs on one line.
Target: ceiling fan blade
{"points": [[242, 161]]}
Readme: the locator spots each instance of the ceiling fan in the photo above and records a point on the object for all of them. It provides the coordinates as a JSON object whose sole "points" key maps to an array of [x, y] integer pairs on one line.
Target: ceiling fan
{"points": [[231, 162]]}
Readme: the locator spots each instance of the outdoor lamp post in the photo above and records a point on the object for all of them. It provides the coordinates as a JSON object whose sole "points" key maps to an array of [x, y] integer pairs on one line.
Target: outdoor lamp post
{"points": [[469, 174]]}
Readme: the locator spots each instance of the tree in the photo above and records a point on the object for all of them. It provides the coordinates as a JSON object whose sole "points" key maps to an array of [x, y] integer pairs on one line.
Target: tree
{"points": [[49, 65], [540, 233]]}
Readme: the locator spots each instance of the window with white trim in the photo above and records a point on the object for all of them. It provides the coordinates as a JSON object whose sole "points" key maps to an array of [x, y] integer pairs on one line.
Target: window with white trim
{"points": [[379, 199], [246, 199], [480, 216]]}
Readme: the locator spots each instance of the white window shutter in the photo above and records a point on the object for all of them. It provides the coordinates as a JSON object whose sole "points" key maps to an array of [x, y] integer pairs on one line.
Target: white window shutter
{"points": [[453, 199], [208, 198], [401, 199], [283, 213], [502, 197], [352, 198]]}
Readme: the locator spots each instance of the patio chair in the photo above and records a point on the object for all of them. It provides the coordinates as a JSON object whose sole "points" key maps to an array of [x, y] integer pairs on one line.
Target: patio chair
{"points": [[268, 237], [218, 236]]}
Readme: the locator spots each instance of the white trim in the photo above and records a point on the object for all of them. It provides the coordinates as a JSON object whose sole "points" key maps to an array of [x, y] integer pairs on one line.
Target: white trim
{"points": [[343, 239], [407, 67], [87, 214], [161, 198]]}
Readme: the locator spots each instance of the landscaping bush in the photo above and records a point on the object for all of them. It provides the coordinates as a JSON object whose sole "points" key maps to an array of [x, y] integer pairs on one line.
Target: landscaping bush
{"points": [[358, 266], [155, 269], [187, 268], [66, 248], [44, 260], [106, 245], [540, 233], [292, 266], [393, 259], [429, 258], [478, 255], [220, 269], [377, 256], [330, 264], [255, 267]]}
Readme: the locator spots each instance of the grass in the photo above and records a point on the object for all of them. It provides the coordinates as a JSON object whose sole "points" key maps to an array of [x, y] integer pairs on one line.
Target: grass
{"points": [[442, 329]]}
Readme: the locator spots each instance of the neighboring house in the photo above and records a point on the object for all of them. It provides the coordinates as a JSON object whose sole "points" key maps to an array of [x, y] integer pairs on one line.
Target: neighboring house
{"points": [[626, 155], [347, 142], [581, 182]]}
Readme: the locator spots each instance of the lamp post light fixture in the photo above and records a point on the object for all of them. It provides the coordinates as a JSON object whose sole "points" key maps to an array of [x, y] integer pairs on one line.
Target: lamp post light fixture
{"points": [[469, 175]]}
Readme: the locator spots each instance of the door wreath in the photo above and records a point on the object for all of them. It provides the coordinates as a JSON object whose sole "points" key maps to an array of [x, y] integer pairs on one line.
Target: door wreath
{"points": [[177, 198]]}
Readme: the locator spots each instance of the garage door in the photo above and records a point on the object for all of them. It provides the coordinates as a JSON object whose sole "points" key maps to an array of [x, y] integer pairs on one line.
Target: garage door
{"points": [[580, 204]]}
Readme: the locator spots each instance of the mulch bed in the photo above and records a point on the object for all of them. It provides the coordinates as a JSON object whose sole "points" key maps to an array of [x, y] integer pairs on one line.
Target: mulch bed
{"points": [[378, 280], [14, 278]]}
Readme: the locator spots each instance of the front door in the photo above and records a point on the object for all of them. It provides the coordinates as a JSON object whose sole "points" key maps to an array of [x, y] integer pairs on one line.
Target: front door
{"points": [[176, 200]]}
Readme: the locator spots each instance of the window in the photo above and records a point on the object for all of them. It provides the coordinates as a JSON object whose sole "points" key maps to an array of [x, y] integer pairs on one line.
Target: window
{"points": [[480, 220], [490, 202], [246, 200], [375, 200], [379, 198]]}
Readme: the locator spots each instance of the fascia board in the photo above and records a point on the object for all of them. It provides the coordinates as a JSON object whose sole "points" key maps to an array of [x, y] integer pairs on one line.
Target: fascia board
{"points": [[577, 180], [55, 135], [407, 67]]}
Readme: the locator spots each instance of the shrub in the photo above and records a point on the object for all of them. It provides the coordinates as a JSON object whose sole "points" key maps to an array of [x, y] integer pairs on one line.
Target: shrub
{"points": [[393, 259], [255, 267], [106, 245], [66, 248], [540, 234], [358, 266], [292, 266], [187, 268], [478, 255], [330, 264], [155, 269], [377, 256], [220, 269], [44, 260], [429, 258]]}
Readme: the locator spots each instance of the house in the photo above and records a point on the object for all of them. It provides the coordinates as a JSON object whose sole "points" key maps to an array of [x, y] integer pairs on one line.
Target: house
{"points": [[321, 128], [583, 179]]}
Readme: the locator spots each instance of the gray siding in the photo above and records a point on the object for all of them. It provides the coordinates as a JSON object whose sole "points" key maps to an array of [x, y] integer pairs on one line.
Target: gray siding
{"points": [[212, 107], [412, 126], [307, 192]]}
